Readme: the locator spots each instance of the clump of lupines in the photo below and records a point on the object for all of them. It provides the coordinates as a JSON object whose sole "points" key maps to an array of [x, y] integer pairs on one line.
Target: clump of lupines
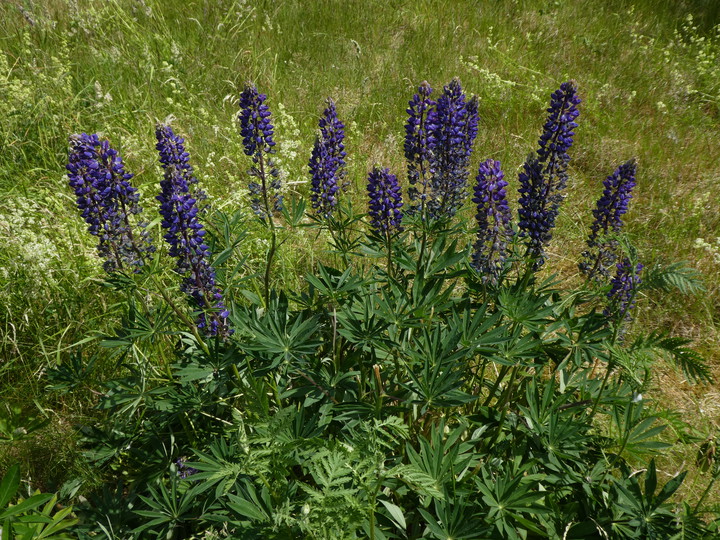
{"points": [[544, 174], [257, 132], [493, 218], [107, 199], [601, 253], [419, 142], [185, 234], [621, 298], [385, 201], [454, 124], [327, 163]]}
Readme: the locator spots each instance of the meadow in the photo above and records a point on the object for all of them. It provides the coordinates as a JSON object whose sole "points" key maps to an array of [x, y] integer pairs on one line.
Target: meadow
{"points": [[648, 75]]}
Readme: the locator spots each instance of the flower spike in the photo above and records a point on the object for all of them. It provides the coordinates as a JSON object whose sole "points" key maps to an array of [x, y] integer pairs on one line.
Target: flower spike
{"points": [[602, 251], [185, 233], [327, 164], [257, 132], [385, 201], [544, 174], [107, 199], [493, 218]]}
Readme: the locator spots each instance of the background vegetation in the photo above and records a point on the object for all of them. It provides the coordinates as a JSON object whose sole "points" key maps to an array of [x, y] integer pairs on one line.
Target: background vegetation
{"points": [[648, 73]]}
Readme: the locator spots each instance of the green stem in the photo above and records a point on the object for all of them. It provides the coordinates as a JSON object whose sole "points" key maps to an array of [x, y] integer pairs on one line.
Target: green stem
{"points": [[271, 225], [268, 265], [181, 314], [602, 389], [626, 437], [388, 246], [707, 490], [498, 380]]}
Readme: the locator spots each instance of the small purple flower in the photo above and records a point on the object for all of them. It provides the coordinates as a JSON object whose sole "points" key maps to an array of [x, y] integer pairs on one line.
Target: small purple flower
{"points": [[419, 142], [385, 201], [257, 132], [621, 298], [327, 164], [602, 251], [184, 470], [107, 200], [185, 233], [493, 218], [544, 175], [454, 124]]}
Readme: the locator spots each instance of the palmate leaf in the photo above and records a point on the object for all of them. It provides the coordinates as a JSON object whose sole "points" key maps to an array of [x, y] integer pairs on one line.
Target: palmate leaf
{"points": [[220, 467], [638, 433], [517, 349], [443, 459], [435, 368], [558, 431], [453, 518], [362, 326], [168, 507], [129, 394], [333, 285], [581, 339], [526, 307], [478, 329], [279, 335], [647, 514], [512, 498], [72, 373]]}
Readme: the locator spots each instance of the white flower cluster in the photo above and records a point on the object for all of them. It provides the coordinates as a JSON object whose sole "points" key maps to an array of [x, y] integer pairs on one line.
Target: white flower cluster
{"points": [[712, 248]]}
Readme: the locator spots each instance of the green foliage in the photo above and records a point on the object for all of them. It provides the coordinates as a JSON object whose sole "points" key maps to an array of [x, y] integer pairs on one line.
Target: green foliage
{"points": [[675, 276], [33, 517], [403, 406]]}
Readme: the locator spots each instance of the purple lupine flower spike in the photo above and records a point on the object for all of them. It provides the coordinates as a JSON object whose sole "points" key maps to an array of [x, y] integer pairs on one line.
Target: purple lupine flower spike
{"points": [[185, 233], [544, 174], [107, 199], [455, 128], [257, 132], [621, 298], [327, 164], [385, 201], [602, 251], [493, 218], [419, 141]]}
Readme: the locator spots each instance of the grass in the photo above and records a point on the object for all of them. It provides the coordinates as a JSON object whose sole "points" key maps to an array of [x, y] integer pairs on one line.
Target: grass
{"points": [[648, 77]]}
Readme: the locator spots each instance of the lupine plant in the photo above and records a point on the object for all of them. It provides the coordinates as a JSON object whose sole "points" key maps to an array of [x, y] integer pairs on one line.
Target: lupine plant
{"points": [[385, 202], [494, 222], [185, 234], [257, 132], [420, 131], [433, 389], [544, 175], [621, 298], [603, 249], [107, 201], [327, 162], [454, 125]]}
